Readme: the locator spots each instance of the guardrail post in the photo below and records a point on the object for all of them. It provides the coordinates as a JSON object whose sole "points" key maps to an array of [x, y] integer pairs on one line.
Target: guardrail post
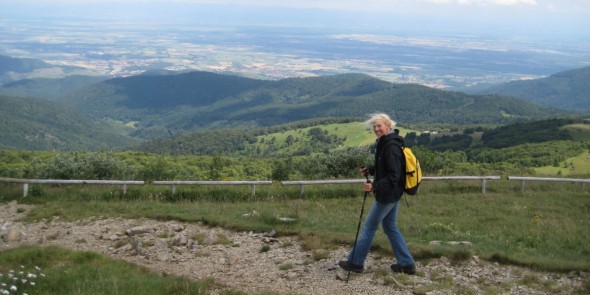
{"points": [[173, 188], [125, 189], [301, 190], [483, 186], [522, 185], [253, 189], [25, 190]]}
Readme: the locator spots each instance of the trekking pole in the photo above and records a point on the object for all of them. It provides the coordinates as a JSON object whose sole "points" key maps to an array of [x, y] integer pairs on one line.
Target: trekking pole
{"points": [[358, 228]]}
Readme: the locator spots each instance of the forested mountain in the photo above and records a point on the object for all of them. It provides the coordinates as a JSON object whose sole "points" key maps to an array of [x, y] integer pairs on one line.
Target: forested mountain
{"points": [[512, 148], [234, 141], [318, 140], [569, 90], [47, 88], [20, 65], [39, 124], [162, 105], [530, 132], [13, 69], [158, 105]]}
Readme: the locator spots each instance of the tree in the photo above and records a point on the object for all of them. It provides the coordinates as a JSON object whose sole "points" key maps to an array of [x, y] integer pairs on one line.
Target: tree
{"points": [[289, 140], [282, 169]]}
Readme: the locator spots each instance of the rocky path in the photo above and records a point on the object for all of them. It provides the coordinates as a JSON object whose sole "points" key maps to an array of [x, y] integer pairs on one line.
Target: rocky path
{"points": [[258, 262]]}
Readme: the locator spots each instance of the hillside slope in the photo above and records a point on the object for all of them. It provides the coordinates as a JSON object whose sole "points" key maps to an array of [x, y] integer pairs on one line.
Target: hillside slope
{"points": [[20, 65], [162, 105], [14, 69], [38, 124], [569, 90], [47, 88]]}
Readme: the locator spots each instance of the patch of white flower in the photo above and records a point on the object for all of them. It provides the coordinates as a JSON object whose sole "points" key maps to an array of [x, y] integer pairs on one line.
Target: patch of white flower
{"points": [[14, 282]]}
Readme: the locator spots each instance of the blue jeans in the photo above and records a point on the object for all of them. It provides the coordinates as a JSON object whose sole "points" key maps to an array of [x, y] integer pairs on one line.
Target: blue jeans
{"points": [[386, 214]]}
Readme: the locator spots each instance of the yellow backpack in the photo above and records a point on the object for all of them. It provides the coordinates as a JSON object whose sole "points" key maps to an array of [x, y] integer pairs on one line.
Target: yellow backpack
{"points": [[413, 171]]}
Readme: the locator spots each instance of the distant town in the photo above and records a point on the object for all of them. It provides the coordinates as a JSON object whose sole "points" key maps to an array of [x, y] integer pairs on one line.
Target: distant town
{"points": [[123, 49]]}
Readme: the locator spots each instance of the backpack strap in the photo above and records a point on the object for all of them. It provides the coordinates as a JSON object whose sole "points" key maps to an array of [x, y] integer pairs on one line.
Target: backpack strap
{"points": [[401, 147]]}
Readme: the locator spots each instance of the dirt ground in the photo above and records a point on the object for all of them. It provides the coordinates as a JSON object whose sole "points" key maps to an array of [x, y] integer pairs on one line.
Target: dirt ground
{"points": [[261, 262]]}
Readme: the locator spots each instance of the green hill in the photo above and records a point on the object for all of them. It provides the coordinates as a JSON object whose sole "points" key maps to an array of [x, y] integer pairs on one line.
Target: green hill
{"points": [[569, 90], [567, 128], [529, 132], [13, 69], [162, 105], [557, 146], [326, 148], [324, 135], [20, 65], [38, 124], [298, 138], [47, 88]]}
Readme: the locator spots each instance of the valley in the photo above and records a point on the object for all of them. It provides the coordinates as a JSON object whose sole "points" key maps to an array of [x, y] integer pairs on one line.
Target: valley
{"points": [[118, 49]]}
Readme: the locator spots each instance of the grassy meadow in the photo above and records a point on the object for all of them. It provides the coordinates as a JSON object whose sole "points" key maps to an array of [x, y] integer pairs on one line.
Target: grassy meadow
{"points": [[354, 133], [544, 228], [579, 165], [580, 132]]}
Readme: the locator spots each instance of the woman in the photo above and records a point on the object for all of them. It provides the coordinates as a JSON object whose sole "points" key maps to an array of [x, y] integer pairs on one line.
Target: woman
{"points": [[387, 186]]}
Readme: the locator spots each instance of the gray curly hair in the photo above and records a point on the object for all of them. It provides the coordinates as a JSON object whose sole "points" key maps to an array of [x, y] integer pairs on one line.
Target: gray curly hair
{"points": [[380, 117]]}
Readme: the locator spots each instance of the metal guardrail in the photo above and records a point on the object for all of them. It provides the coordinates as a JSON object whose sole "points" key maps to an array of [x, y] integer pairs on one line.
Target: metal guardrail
{"points": [[303, 183], [523, 180], [174, 183], [26, 182], [483, 179]]}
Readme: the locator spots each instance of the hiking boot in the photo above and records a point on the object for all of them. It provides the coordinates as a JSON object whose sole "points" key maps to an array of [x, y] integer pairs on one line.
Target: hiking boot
{"points": [[344, 264], [409, 269]]}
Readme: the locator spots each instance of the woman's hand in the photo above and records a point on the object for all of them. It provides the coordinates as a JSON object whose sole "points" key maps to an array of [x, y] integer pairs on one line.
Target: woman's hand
{"points": [[364, 171]]}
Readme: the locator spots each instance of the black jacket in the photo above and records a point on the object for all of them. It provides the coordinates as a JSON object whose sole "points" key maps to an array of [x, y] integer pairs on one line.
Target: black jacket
{"points": [[388, 182]]}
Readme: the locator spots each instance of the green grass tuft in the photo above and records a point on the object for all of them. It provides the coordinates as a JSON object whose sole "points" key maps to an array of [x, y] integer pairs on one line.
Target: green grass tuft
{"points": [[71, 272]]}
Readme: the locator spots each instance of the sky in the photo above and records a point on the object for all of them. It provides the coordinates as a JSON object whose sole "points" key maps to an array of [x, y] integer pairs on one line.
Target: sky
{"points": [[572, 7], [548, 18]]}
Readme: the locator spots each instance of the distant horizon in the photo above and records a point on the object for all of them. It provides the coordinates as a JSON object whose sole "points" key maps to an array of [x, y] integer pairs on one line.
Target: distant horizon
{"points": [[544, 19], [450, 44]]}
